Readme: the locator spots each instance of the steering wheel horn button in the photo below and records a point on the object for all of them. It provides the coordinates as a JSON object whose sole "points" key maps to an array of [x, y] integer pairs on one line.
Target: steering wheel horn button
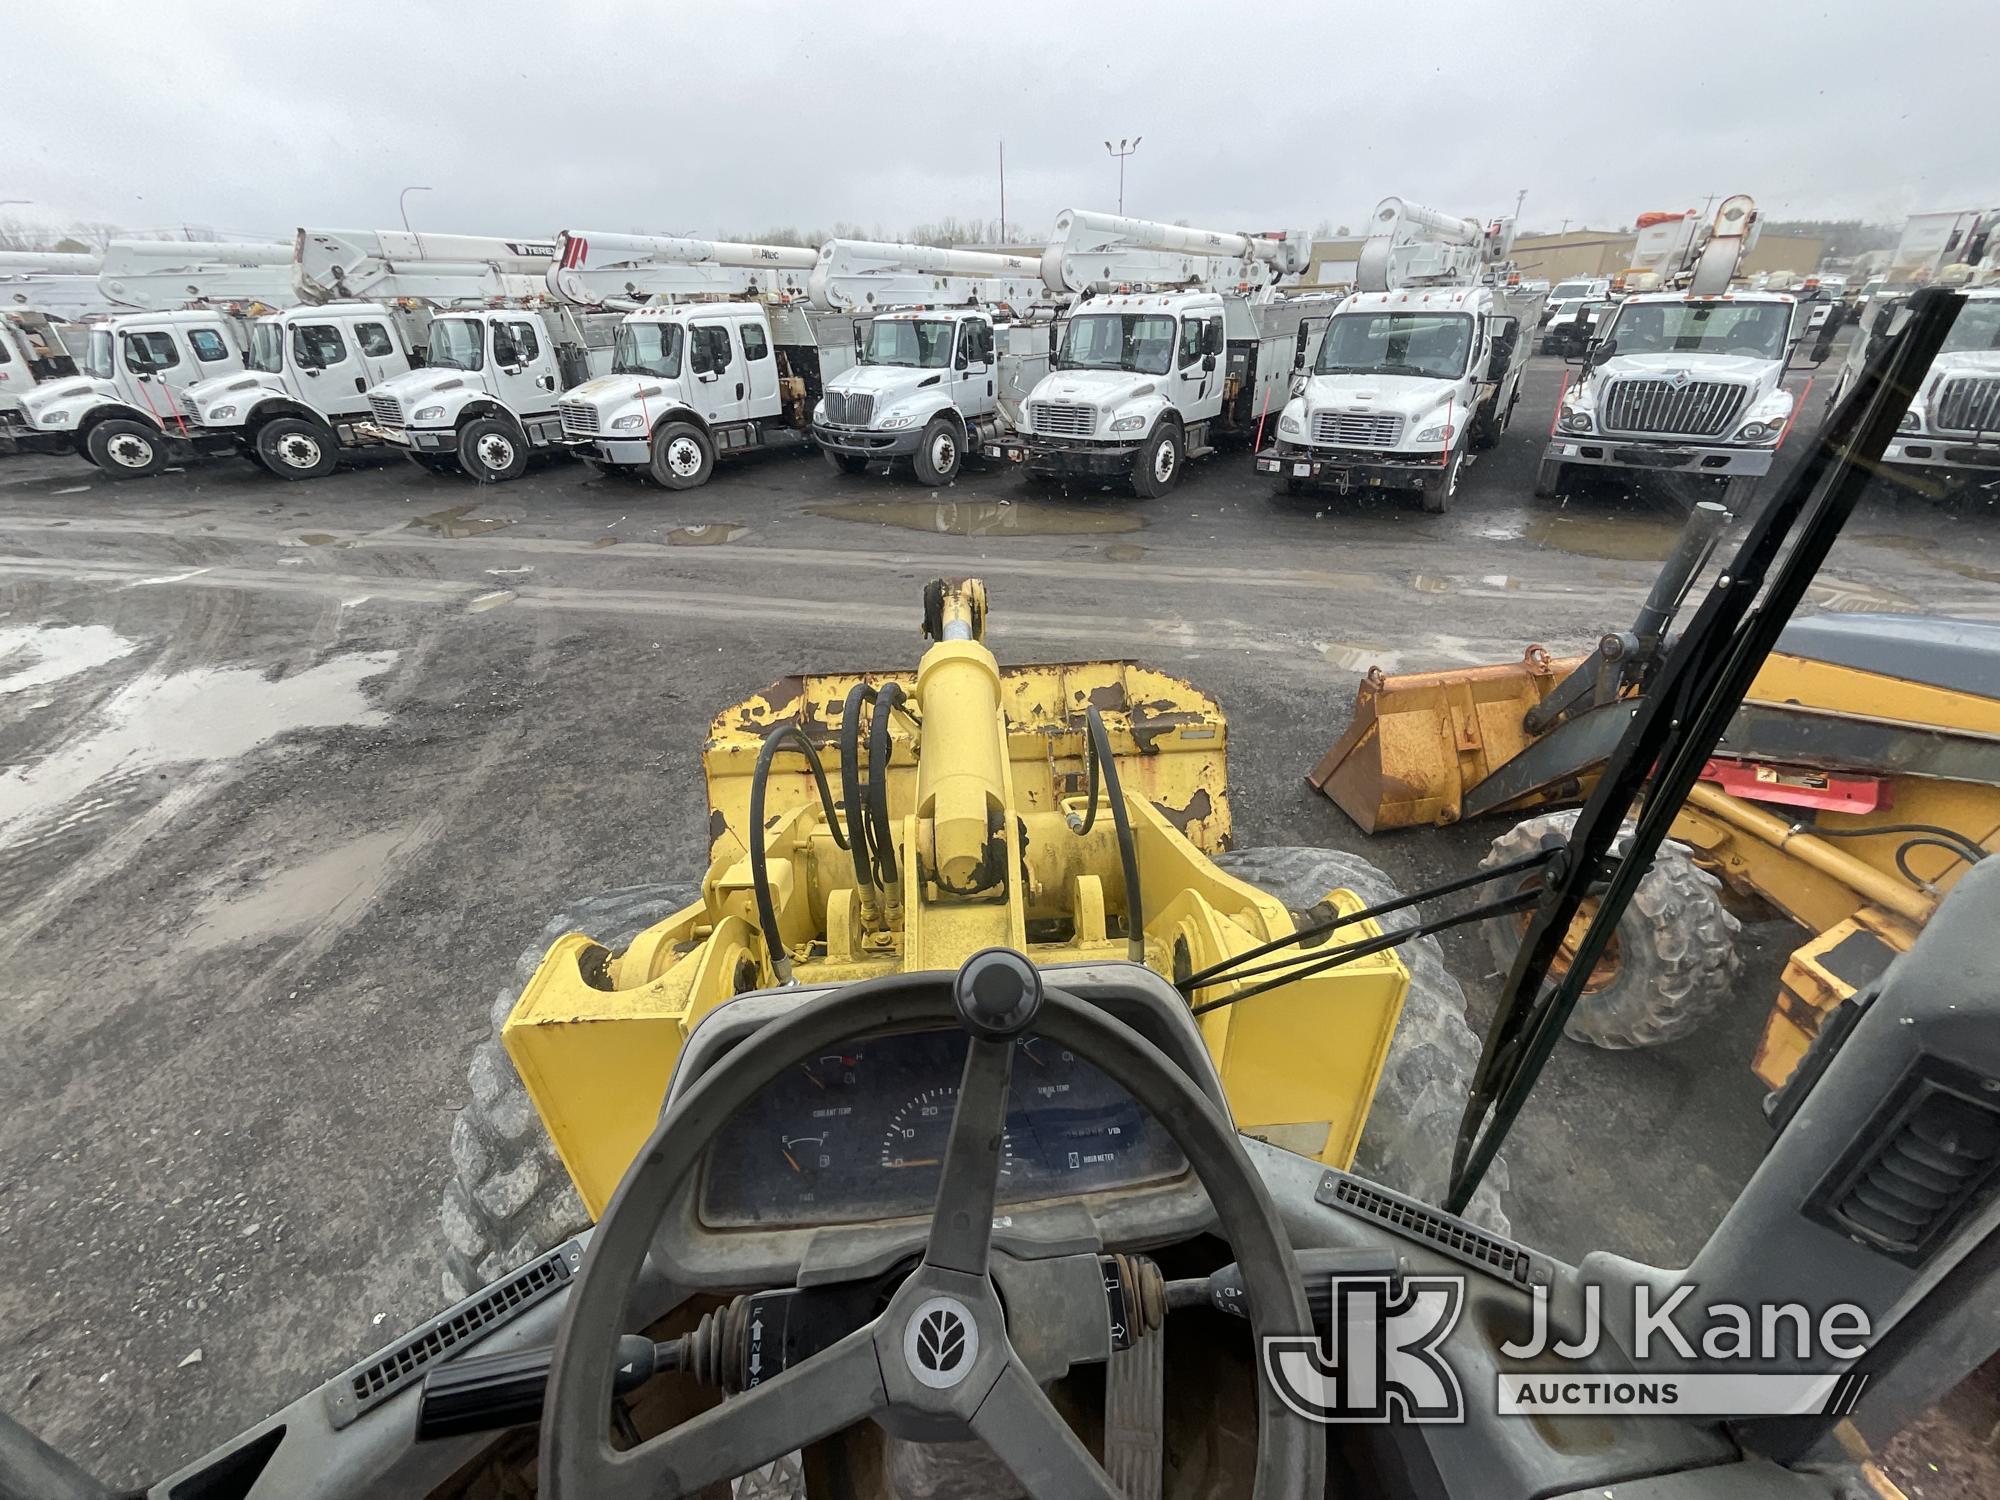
{"points": [[998, 993], [940, 1342]]}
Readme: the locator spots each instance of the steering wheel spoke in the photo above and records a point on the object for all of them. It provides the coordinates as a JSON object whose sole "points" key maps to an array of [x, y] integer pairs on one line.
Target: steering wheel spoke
{"points": [[962, 1221], [1029, 1436], [836, 1388]]}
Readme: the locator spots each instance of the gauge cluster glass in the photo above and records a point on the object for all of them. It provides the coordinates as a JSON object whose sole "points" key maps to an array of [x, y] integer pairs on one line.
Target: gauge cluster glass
{"points": [[860, 1134]]}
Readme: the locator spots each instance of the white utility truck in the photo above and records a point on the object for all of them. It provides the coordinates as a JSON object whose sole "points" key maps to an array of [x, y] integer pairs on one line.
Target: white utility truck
{"points": [[1418, 367], [33, 352], [956, 340], [1952, 430], [1174, 343], [693, 381], [161, 275], [1687, 382]]}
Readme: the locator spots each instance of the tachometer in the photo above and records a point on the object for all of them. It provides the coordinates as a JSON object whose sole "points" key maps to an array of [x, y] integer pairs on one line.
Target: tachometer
{"points": [[915, 1140]]}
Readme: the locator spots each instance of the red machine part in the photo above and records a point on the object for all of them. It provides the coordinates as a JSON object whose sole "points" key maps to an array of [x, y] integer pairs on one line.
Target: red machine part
{"points": [[1799, 786]]}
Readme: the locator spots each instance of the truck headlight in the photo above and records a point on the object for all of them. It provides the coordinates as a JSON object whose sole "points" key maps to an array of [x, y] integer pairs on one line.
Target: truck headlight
{"points": [[1435, 433], [1128, 424], [629, 424], [1911, 422], [1576, 421], [51, 418], [892, 423], [819, 414], [1759, 432], [221, 413], [1291, 424], [427, 414]]}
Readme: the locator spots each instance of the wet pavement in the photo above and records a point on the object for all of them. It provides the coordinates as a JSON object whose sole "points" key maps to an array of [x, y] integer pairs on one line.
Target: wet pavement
{"points": [[289, 773]]}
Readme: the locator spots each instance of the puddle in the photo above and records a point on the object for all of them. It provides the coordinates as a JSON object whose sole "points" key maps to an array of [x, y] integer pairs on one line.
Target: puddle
{"points": [[1618, 538], [706, 534], [605, 541], [208, 714], [36, 655], [982, 518], [317, 538], [458, 521], [1423, 583], [493, 600], [521, 572], [75, 489], [1499, 581], [1927, 548], [326, 889], [1841, 596], [1124, 552]]}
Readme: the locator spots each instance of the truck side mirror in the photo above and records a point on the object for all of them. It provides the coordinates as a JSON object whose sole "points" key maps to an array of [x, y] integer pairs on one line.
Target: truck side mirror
{"points": [[1208, 364], [1211, 344]]}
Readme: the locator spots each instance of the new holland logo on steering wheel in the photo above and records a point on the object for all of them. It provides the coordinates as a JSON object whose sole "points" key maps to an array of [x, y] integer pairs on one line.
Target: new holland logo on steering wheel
{"points": [[940, 1342]]}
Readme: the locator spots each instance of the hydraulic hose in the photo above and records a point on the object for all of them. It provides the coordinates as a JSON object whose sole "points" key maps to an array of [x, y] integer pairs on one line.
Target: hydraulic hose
{"points": [[859, 842], [887, 698], [1099, 762], [760, 880]]}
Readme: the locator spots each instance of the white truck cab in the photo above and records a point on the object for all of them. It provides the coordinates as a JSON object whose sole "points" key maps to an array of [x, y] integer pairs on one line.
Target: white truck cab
{"points": [[1403, 386], [33, 352], [1566, 296], [304, 393], [1678, 382], [1953, 425], [929, 385], [130, 411], [486, 396], [694, 380]]}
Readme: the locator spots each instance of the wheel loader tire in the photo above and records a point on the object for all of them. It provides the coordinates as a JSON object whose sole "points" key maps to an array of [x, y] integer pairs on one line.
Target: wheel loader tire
{"points": [[508, 1197], [294, 448], [1675, 957], [939, 453], [1156, 468], [1413, 1123], [683, 457], [1548, 480], [844, 463]]}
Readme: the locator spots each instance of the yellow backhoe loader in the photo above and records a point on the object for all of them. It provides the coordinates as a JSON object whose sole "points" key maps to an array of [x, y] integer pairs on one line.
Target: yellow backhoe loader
{"points": [[876, 832], [1857, 783]]}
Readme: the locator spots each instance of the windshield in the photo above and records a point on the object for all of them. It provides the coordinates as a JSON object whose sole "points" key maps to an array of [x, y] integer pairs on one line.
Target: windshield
{"points": [[97, 358], [1119, 341], [1753, 329], [1976, 331], [457, 344], [1396, 343], [923, 343], [267, 347], [1570, 290], [647, 349]]}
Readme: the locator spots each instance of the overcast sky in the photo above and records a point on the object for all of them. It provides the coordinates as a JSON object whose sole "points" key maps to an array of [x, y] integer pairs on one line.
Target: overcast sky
{"points": [[675, 118]]}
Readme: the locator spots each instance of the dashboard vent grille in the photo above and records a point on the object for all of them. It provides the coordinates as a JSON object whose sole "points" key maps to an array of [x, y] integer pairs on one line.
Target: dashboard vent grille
{"points": [[1434, 1226], [379, 1377]]}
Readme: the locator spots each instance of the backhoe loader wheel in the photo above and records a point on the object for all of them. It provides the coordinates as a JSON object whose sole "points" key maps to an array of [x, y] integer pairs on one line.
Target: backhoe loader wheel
{"points": [[294, 448], [683, 457], [1413, 1122], [939, 453], [1156, 468], [1670, 963], [492, 451], [508, 1198]]}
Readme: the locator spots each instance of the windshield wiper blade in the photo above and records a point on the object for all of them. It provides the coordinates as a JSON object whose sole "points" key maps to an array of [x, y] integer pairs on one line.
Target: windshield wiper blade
{"points": [[1680, 718]]}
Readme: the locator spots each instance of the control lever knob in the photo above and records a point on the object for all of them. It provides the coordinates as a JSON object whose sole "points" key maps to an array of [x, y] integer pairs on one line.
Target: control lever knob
{"points": [[998, 993]]}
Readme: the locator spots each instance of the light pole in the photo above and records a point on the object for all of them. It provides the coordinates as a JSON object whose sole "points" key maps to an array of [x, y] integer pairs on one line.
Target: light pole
{"points": [[1519, 198], [1122, 150], [402, 202]]}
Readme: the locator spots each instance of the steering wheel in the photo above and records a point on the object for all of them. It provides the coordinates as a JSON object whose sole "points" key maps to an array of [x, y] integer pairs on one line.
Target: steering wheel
{"points": [[940, 1350]]}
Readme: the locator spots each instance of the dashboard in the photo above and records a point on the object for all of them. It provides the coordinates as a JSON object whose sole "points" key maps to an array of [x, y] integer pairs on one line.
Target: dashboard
{"points": [[859, 1134]]}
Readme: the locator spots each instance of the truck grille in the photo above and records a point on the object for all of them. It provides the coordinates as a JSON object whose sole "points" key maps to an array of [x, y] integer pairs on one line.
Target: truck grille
{"points": [[186, 404], [1700, 408], [579, 418], [1062, 419], [1969, 404], [850, 408], [388, 410], [1357, 429]]}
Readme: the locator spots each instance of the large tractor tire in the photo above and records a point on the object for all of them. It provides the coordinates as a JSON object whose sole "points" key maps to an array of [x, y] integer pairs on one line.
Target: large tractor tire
{"points": [[1413, 1122], [1671, 962], [509, 1198]]}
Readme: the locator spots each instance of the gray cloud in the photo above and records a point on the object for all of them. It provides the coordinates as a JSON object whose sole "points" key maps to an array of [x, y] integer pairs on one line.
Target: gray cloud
{"points": [[528, 117]]}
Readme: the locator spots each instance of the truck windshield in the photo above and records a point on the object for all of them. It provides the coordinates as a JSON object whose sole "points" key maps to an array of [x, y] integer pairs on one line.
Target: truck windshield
{"points": [[456, 344], [97, 358], [1755, 330], [1119, 341], [267, 347], [923, 343], [1396, 343], [1977, 329], [1569, 291], [647, 349]]}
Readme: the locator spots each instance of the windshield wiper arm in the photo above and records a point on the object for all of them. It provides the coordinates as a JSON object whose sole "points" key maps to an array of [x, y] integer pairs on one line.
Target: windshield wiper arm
{"points": [[1680, 718]]}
